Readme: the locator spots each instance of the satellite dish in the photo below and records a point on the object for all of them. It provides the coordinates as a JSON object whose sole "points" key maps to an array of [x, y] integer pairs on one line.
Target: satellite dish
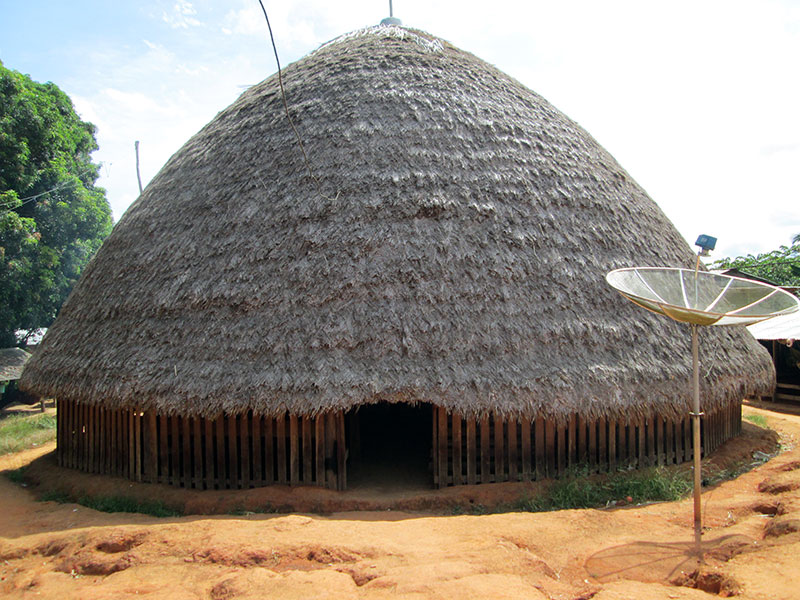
{"points": [[701, 298]]}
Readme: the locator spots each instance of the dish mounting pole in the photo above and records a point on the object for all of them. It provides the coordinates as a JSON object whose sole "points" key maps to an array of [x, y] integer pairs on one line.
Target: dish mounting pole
{"points": [[696, 414]]}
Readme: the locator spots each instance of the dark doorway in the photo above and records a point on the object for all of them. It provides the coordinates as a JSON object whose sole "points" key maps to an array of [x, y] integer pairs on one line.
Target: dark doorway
{"points": [[390, 446]]}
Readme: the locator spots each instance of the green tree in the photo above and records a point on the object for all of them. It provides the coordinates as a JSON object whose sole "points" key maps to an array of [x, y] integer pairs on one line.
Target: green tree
{"points": [[52, 217], [781, 266]]}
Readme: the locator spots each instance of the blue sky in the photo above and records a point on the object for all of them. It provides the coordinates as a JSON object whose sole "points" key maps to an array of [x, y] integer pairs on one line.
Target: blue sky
{"points": [[698, 100]]}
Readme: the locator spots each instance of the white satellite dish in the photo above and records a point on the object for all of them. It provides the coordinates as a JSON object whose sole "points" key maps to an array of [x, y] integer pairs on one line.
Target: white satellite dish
{"points": [[700, 298]]}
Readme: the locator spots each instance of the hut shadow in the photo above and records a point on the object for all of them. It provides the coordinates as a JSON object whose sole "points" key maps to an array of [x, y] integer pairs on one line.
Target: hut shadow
{"points": [[662, 562]]}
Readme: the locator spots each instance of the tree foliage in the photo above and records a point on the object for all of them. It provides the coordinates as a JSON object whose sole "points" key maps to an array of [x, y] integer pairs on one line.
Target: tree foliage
{"points": [[781, 266], [52, 217]]}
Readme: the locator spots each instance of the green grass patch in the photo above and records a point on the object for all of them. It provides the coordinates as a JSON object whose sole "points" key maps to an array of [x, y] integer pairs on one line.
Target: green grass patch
{"points": [[19, 432], [17, 475], [578, 489], [759, 420], [113, 504]]}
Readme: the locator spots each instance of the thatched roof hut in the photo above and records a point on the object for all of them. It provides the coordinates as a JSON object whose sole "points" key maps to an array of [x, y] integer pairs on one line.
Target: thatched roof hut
{"points": [[12, 360], [450, 249]]}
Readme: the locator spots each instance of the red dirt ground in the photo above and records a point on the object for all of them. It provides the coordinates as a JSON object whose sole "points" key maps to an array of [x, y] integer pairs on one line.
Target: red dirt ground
{"points": [[390, 549]]}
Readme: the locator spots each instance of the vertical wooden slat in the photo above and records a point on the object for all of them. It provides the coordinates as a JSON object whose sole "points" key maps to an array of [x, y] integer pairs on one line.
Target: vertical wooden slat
{"points": [[641, 445], [234, 461], [583, 444], [525, 430], [538, 439], [435, 446], [687, 438], [150, 446], [131, 443], [472, 454], [258, 451], [269, 450], [561, 448], [550, 448], [591, 445], [163, 450], [245, 462], [499, 447], [115, 451], [341, 452], [222, 464], [138, 432], [572, 440], [602, 444], [101, 440], [330, 450], [630, 443], [308, 476], [457, 462], [442, 446], [90, 438], [294, 450], [197, 437], [661, 443], [670, 441], [319, 442], [513, 464], [612, 445], [208, 463], [59, 432], [186, 452], [280, 440], [651, 440], [485, 448]]}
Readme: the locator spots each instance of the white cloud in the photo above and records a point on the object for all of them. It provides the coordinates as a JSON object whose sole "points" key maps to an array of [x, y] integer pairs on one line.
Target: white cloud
{"points": [[182, 16]]}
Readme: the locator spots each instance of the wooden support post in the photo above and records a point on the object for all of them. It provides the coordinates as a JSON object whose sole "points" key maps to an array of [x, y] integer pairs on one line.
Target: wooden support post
{"points": [[457, 462], [602, 445], [269, 450], [485, 449], [612, 445], [222, 464], [308, 475], [102, 431], [330, 452], [208, 473], [258, 450], [538, 438], [319, 443], [513, 459], [572, 440], [641, 444], [550, 448], [687, 438], [341, 452], [116, 452], [442, 446], [472, 453], [651, 440], [561, 448], [150, 446], [670, 441], [435, 445], [197, 448], [527, 454], [294, 450], [499, 450], [186, 452], [245, 462], [591, 446], [280, 440], [163, 450], [583, 451], [90, 440]]}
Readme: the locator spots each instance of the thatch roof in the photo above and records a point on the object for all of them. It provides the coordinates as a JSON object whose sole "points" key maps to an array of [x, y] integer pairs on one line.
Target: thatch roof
{"points": [[455, 254], [12, 360]]}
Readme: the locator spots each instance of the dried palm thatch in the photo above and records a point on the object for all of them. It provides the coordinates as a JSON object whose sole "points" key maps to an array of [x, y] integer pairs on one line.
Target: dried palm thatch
{"points": [[12, 360], [454, 252]]}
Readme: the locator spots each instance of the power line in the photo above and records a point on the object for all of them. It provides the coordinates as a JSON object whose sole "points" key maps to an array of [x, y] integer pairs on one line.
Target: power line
{"points": [[61, 186], [285, 104]]}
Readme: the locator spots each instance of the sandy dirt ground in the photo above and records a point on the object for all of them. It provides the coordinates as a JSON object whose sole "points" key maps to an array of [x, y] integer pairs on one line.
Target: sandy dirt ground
{"points": [[751, 544]]}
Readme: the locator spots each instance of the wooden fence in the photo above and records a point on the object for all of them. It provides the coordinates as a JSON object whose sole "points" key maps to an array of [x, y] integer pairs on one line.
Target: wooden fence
{"points": [[228, 452], [244, 451], [470, 451]]}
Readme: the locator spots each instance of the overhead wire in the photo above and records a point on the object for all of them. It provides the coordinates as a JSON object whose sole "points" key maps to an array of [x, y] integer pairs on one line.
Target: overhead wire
{"points": [[285, 103]]}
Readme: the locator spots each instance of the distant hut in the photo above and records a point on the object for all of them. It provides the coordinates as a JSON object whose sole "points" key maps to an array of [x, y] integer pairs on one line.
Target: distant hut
{"points": [[432, 297], [12, 361]]}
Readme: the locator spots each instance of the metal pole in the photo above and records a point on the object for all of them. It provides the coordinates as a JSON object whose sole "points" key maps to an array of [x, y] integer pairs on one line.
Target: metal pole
{"points": [[391, 12], [698, 482]]}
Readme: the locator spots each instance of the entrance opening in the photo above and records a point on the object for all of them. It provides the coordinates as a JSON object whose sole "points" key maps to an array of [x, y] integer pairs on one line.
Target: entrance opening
{"points": [[390, 446]]}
